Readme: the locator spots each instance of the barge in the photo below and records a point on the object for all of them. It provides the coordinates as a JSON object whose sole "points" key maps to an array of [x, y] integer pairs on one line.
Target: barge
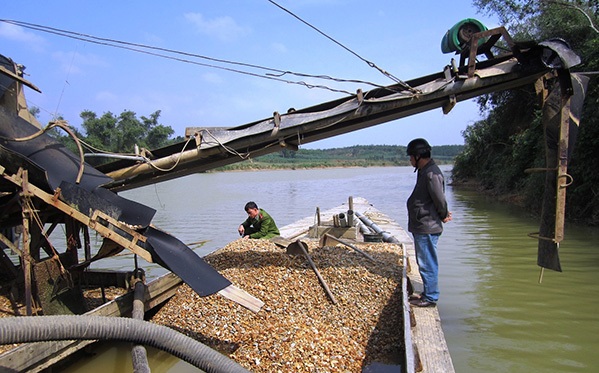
{"points": [[339, 306], [348, 313]]}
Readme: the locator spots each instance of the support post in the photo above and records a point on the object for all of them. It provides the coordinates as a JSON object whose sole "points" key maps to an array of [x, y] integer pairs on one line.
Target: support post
{"points": [[26, 257]]}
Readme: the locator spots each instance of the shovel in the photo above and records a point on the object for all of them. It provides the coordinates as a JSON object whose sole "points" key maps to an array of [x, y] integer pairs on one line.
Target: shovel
{"points": [[300, 248], [326, 238]]}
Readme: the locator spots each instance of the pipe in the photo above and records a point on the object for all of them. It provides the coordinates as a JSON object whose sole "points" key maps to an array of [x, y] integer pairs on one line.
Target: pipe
{"points": [[116, 156], [342, 220], [24, 329], [364, 228], [387, 237], [350, 218], [139, 355]]}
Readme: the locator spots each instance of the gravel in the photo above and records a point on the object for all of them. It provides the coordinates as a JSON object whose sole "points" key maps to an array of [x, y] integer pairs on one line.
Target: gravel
{"points": [[299, 329]]}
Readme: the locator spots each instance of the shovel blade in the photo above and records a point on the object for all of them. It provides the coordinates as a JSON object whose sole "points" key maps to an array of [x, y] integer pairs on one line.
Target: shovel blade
{"points": [[295, 248]]}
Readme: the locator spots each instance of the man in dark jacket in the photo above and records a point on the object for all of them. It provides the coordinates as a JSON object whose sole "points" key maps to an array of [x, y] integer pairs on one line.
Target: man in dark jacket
{"points": [[259, 223], [427, 211]]}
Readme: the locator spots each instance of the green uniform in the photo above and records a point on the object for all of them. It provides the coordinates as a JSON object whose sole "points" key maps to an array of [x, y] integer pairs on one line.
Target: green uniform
{"points": [[262, 226]]}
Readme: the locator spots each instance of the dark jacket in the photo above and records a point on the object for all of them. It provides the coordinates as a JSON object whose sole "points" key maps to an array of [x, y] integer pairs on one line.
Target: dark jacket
{"points": [[427, 206], [262, 226]]}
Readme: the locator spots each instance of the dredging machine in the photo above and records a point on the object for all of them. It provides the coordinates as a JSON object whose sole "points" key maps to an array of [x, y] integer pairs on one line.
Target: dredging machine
{"points": [[43, 185]]}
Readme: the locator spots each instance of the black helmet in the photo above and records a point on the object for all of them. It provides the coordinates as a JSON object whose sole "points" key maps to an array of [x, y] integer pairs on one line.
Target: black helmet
{"points": [[419, 148]]}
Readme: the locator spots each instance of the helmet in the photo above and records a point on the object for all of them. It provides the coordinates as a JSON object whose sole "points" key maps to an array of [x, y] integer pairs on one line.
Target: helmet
{"points": [[419, 148]]}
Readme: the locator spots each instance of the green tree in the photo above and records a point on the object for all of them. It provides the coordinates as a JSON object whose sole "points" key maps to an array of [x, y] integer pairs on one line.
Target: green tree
{"points": [[510, 139], [100, 133], [121, 134], [158, 135]]}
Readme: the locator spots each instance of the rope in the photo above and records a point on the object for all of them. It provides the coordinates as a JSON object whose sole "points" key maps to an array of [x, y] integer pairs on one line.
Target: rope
{"points": [[65, 127]]}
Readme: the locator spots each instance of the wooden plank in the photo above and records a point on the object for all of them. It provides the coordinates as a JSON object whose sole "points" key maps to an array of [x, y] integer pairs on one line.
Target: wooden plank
{"points": [[427, 335], [242, 297]]}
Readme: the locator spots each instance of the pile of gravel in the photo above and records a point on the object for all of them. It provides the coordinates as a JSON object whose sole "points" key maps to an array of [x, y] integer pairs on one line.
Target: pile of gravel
{"points": [[299, 329]]}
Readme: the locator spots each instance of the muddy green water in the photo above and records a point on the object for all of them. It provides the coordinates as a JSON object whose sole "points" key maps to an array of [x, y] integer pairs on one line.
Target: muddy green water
{"points": [[495, 314]]}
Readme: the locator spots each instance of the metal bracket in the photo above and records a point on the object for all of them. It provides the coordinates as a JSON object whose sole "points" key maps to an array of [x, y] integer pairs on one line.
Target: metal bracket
{"points": [[473, 49], [277, 122], [360, 96]]}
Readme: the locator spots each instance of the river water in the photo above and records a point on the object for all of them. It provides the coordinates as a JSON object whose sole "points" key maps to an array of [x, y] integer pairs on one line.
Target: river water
{"points": [[496, 315]]}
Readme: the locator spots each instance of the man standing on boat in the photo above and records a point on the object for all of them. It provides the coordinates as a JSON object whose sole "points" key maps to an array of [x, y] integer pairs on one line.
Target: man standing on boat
{"points": [[259, 223], [427, 211]]}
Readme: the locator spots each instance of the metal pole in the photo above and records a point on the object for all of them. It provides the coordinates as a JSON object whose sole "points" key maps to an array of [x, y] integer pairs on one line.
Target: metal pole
{"points": [[139, 355], [386, 236]]}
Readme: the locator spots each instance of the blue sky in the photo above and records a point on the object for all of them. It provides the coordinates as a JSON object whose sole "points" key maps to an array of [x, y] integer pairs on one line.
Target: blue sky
{"points": [[400, 37]]}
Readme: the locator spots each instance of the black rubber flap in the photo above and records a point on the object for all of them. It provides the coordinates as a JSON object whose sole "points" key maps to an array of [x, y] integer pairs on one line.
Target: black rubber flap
{"points": [[117, 207], [174, 255], [12, 161], [58, 161]]}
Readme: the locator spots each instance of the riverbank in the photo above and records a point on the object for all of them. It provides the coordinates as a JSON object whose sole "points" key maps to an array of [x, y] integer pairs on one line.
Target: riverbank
{"points": [[267, 166]]}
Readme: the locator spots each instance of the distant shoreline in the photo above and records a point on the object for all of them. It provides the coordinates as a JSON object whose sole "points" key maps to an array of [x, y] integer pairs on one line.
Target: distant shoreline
{"points": [[274, 167]]}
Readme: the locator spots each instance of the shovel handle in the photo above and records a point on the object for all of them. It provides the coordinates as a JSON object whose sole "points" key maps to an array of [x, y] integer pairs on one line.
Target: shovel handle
{"points": [[322, 281]]}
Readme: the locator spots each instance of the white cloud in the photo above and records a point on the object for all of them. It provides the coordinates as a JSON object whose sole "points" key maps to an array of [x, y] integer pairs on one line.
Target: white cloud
{"points": [[75, 63], [19, 34], [106, 97], [279, 47], [223, 28]]}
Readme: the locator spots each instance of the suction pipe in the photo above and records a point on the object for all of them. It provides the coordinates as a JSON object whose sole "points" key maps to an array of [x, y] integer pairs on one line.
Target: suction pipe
{"points": [[23, 329]]}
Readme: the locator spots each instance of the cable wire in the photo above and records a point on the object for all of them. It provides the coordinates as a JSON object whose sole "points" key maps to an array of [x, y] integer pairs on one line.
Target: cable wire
{"points": [[135, 47], [371, 64]]}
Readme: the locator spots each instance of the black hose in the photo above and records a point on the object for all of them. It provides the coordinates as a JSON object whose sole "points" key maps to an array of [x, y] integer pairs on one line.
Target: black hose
{"points": [[23, 329]]}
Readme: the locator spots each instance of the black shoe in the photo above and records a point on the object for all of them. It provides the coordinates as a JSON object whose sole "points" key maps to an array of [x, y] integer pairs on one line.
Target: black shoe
{"points": [[422, 303]]}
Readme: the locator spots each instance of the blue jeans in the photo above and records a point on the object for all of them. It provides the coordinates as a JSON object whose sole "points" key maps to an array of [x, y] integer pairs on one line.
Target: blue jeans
{"points": [[426, 256]]}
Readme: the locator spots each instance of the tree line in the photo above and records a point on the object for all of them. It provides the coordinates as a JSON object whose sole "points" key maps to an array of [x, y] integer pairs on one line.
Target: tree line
{"points": [[110, 133], [351, 156]]}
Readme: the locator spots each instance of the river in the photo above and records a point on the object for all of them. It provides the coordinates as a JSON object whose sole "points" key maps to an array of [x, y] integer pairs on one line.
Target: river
{"points": [[496, 315]]}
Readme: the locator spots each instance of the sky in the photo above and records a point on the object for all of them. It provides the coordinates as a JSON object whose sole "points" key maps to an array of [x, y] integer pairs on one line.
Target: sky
{"points": [[335, 38]]}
